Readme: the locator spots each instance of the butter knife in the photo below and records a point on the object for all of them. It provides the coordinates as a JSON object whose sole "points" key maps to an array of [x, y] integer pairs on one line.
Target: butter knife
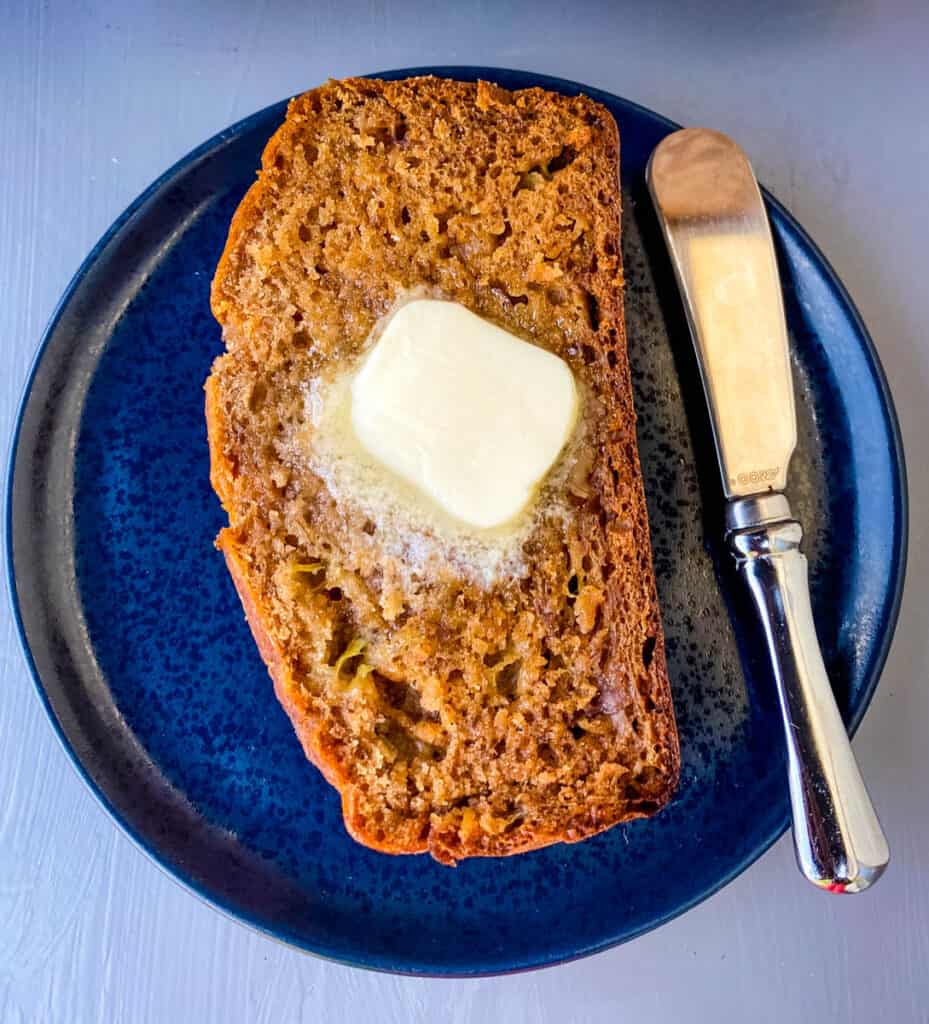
{"points": [[714, 223]]}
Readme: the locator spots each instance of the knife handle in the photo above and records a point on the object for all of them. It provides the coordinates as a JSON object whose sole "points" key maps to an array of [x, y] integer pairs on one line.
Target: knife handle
{"points": [[838, 839]]}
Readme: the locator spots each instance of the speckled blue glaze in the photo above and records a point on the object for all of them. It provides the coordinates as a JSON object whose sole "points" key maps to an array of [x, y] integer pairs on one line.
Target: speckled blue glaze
{"points": [[140, 653]]}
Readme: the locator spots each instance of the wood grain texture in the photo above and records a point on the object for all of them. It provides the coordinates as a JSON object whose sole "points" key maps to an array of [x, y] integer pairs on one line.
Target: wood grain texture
{"points": [[96, 99]]}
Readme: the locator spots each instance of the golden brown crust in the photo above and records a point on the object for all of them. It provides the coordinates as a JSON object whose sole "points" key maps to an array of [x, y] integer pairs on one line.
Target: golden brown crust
{"points": [[474, 721]]}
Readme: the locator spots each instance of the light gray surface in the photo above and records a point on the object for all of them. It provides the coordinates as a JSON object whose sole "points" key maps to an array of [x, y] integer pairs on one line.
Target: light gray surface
{"points": [[830, 101]]}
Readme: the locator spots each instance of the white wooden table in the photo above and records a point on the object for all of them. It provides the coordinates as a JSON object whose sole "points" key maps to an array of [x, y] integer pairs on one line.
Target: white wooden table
{"points": [[830, 99]]}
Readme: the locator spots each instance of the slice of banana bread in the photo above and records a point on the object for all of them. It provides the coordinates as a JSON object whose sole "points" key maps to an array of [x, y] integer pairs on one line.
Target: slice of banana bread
{"points": [[455, 715]]}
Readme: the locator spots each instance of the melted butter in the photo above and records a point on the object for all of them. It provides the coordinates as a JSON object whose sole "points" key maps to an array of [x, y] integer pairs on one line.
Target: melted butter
{"points": [[444, 436]]}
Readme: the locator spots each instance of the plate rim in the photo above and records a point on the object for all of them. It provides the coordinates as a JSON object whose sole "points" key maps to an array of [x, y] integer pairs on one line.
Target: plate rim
{"points": [[378, 962]]}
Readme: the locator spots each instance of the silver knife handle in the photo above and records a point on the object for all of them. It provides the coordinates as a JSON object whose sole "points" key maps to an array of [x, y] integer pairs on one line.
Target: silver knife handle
{"points": [[838, 839]]}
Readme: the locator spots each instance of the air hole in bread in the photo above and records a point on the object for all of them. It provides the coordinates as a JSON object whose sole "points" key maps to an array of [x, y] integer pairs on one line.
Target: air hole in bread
{"points": [[507, 680], [500, 290], [564, 159], [553, 662], [507, 231], [547, 755], [398, 740], [382, 134], [256, 398], [400, 696], [338, 642], [648, 651], [593, 313]]}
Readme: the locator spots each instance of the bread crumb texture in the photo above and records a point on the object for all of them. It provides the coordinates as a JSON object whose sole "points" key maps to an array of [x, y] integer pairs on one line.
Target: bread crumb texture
{"points": [[453, 717]]}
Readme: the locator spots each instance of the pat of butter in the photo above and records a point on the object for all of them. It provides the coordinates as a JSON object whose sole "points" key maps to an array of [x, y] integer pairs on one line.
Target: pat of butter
{"points": [[463, 410]]}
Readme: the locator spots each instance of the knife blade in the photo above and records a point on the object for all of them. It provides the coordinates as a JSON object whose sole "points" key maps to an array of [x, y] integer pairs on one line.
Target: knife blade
{"points": [[714, 223]]}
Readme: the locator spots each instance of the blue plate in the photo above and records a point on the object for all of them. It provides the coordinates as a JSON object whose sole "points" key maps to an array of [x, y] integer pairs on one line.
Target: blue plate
{"points": [[140, 654]]}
